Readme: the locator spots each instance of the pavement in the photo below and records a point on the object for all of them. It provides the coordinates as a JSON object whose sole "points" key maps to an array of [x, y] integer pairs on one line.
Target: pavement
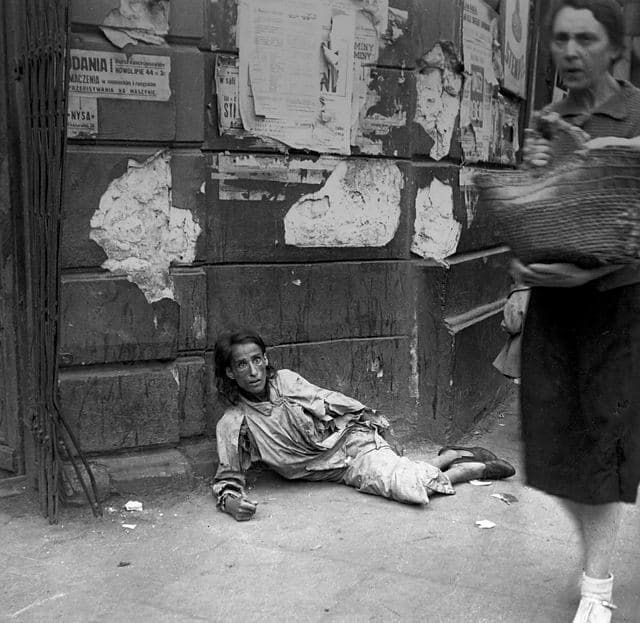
{"points": [[314, 552]]}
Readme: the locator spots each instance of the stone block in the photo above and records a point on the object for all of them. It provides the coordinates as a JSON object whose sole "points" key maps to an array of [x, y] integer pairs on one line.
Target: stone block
{"points": [[378, 372], [221, 17], [455, 351], [188, 89], [149, 471], [202, 456], [187, 19], [119, 407], [257, 212], [191, 396], [312, 302], [178, 118], [108, 319], [88, 173], [191, 295], [469, 282]]}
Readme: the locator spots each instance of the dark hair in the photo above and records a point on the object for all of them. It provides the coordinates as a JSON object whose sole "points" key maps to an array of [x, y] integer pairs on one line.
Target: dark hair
{"points": [[606, 12], [222, 352]]}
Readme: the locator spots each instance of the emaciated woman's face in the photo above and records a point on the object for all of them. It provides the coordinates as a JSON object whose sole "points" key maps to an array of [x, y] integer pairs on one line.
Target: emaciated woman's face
{"points": [[581, 49]]}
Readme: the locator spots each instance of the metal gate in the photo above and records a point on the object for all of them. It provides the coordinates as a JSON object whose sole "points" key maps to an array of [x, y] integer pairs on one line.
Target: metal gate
{"points": [[41, 48]]}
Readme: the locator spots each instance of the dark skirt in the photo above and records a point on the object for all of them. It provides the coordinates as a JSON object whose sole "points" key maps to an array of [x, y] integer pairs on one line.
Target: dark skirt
{"points": [[580, 393]]}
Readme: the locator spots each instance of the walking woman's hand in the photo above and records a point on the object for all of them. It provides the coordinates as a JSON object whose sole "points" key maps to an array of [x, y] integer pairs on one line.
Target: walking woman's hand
{"points": [[536, 151]]}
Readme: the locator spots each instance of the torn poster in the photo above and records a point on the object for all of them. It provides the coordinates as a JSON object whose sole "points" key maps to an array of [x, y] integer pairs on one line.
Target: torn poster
{"points": [[296, 71], [505, 130], [439, 88], [119, 76], [436, 230], [515, 22], [82, 117], [140, 230], [226, 79], [232, 172], [479, 37], [359, 206], [135, 21]]}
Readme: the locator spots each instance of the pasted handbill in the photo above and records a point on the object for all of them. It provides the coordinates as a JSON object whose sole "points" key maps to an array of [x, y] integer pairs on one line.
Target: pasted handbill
{"points": [[119, 76], [306, 102], [226, 78], [515, 27], [82, 116], [479, 31]]}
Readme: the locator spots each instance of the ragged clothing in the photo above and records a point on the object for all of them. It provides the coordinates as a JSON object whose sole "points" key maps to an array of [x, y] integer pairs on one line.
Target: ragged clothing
{"points": [[306, 432]]}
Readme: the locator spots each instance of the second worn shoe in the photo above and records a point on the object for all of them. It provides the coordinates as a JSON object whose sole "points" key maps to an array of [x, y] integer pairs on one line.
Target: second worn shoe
{"points": [[497, 469]]}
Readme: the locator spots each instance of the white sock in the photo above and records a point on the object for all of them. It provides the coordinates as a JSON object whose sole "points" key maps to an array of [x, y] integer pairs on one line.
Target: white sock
{"points": [[595, 603]]}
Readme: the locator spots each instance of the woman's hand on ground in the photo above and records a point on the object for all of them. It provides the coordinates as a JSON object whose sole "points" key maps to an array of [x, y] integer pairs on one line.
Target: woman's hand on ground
{"points": [[536, 151], [556, 275], [240, 508]]}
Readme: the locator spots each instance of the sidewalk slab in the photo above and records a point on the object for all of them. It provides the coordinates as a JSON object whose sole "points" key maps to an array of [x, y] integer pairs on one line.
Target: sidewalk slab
{"points": [[314, 552]]}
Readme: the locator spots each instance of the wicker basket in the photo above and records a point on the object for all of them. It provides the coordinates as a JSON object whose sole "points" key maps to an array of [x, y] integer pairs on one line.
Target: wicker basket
{"points": [[582, 208]]}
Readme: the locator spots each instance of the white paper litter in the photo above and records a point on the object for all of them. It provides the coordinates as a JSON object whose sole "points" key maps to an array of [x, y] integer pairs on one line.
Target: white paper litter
{"points": [[129, 526], [133, 505], [485, 524]]}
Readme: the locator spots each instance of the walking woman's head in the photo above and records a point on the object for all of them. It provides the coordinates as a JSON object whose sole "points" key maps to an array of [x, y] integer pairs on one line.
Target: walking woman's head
{"points": [[587, 37]]}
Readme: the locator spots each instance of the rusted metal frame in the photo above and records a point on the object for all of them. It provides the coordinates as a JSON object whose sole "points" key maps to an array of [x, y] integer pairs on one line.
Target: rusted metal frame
{"points": [[45, 69]]}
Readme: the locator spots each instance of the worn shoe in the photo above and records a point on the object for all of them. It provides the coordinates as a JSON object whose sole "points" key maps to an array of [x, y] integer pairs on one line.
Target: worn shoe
{"points": [[497, 470], [478, 455]]}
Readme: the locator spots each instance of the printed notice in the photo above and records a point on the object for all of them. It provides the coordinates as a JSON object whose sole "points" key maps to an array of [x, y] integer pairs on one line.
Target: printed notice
{"points": [[82, 116], [226, 77], [296, 71], [515, 21], [479, 31], [119, 76]]}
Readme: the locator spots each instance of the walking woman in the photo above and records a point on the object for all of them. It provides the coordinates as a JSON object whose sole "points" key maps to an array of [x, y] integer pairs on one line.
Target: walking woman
{"points": [[580, 396]]}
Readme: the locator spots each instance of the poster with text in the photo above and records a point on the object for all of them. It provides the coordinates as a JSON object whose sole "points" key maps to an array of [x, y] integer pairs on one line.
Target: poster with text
{"points": [[515, 31]]}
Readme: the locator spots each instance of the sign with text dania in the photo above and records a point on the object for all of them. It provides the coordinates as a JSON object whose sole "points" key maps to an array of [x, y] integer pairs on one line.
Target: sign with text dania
{"points": [[119, 76]]}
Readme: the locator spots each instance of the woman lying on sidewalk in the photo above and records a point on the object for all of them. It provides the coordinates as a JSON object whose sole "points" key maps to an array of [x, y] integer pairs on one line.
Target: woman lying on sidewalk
{"points": [[305, 432]]}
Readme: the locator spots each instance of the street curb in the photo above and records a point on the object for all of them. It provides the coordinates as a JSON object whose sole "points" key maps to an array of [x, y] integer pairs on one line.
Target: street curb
{"points": [[148, 471]]}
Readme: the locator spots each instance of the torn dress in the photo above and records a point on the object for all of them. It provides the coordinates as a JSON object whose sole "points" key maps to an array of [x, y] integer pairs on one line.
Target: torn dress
{"points": [[306, 432]]}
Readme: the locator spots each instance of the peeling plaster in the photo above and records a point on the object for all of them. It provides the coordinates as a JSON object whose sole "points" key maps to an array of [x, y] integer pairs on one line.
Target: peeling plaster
{"points": [[359, 206], [137, 21], [140, 231], [439, 90], [437, 232]]}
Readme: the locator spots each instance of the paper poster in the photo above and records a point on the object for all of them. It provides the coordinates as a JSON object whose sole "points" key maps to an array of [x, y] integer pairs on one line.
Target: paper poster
{"points": [[119, 76], [307, 92], [515, 31], [506, 129], [82, 116], [226, 80], [479, 31]]}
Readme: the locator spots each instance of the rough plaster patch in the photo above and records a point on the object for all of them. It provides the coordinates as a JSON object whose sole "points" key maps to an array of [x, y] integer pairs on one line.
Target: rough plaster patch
{"points": [[139, 229], [359, 206], [137, 20], [439, 90], [437, 232]]}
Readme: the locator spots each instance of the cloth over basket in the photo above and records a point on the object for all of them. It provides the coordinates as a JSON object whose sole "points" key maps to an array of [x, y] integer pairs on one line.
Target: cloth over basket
{"points": [[582, 208]]}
